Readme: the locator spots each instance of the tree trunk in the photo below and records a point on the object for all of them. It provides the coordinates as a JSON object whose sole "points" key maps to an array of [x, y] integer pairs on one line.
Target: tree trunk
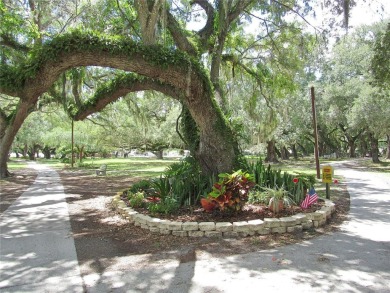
{"points": [[364, 148], [8, 133], [352, 148], [81, 154], [374, 148], [304, 151], [294, 151], [388, 147], [271, 152], [46, 152], [31, 155], [148, 16], [285, 154], [278, 153], [159, 154], [321, 149], [25, 150]]}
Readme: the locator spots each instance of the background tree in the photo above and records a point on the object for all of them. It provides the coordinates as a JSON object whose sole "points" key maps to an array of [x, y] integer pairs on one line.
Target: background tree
{"points": [[159, 65], [348, 93]]}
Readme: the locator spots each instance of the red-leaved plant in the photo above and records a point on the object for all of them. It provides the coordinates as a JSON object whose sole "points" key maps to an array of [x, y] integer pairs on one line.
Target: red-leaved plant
{"points": [[230, 193]]}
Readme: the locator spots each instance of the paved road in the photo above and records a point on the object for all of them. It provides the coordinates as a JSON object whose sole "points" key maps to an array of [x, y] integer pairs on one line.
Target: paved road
{"points": [[356, 259], [36, 252]]}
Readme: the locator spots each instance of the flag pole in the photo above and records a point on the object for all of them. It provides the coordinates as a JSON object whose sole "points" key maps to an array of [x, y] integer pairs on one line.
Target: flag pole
{"points": [[313, 107]]}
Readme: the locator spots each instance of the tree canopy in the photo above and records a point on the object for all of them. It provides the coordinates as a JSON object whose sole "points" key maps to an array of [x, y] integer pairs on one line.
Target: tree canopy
{"points": [[86, 55]]}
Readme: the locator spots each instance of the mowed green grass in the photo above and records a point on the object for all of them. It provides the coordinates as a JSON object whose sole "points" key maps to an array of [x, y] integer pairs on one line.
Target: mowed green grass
{"points": [[134, 166], [145, 167], [17, 165]]}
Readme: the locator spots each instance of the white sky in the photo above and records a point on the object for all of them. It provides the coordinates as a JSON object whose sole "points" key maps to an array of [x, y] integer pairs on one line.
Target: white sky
{"points": [[365, 12]]}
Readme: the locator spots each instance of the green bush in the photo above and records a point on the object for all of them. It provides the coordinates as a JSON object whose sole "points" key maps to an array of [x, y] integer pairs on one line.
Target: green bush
{"points": [[161, 187], [136, 200], [181, 181], [275, 179], [256, 196], [143, 185], [186, 181], [168, 205]]}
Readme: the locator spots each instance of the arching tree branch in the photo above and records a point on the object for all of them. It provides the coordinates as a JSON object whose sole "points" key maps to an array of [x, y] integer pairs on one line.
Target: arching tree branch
{"points": [[121, 86]]}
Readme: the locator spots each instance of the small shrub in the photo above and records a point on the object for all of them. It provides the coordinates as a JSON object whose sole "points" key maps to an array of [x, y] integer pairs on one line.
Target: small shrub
{"points": [[187, 183], [258, 197], [136, 200], [271, 178], [168, 205], [142, 185], [161, 186]]}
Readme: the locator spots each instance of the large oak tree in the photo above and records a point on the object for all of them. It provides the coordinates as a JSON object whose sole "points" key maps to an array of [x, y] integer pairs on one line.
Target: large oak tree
{"points": [[147, 38]]}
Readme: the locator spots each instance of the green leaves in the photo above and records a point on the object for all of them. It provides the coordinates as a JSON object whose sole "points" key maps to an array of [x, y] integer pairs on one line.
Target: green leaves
{"points": [[230, 193], [381, 61]]}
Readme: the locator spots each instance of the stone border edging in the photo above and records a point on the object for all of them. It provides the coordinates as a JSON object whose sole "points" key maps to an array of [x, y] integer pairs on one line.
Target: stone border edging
{"points": [[295, 223]]}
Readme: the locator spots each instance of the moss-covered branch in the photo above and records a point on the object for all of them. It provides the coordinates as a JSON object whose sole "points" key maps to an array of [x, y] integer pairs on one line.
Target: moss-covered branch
{"points": [[119, 87], [48, 61]]}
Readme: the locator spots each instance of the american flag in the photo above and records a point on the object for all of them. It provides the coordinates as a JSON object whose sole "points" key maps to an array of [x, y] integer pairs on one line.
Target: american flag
{"points": [[311, 197]]}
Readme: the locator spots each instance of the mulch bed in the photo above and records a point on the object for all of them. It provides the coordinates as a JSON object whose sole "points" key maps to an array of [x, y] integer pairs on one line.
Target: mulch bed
{"points": [[249, 212]]}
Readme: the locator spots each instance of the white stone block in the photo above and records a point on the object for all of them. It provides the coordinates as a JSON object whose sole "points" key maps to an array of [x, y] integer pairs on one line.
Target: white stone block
{"points": [[223, 226], [175, 226], [287, 222], [153, 222], [319, 215], [190, 226], [140, 218], [210, 234], [271, 222], [164, 224], [300, 218], [179, 233], [207, 226], [264, 231], [294, 229], [256, 225], [195, 233], [230, 234], [279, 230], [242, 226], [310, 216]]}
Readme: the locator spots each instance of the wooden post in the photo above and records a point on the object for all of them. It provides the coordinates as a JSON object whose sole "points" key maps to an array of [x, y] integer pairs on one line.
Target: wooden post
{"points": [[313, 107], [72, 159], [327, 190]]}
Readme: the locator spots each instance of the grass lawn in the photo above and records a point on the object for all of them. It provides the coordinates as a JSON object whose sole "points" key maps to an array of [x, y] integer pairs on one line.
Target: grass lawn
{"points": [[134, 166], [16, 165]]}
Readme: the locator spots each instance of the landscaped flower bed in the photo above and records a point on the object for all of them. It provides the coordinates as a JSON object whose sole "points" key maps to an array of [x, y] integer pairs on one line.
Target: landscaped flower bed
{"points": [[290, 224]]}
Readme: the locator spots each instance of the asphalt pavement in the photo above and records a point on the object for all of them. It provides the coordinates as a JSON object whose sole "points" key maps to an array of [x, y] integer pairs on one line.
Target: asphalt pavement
{"points": [[37, 254]]}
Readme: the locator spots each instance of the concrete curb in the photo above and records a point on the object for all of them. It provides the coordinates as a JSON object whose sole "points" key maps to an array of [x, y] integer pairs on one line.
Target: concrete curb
{"points": [[293, 224]]}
